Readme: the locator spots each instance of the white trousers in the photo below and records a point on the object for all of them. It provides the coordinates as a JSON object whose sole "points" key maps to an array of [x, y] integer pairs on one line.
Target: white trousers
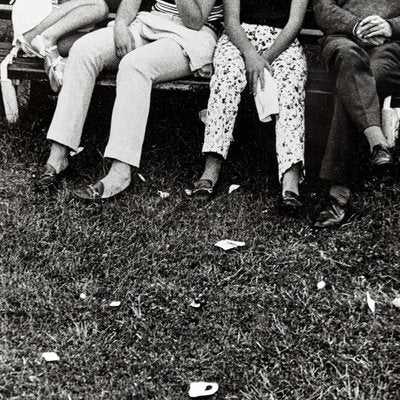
{"points": [[154, 61]]}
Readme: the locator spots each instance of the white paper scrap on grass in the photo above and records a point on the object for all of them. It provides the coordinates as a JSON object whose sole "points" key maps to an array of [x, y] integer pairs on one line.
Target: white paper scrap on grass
{"points": [[115, 304], [228, 244], [50, 356], [194, 304], [202, 389], [188, 192], [396, 302], [141, 177], [82, 296], [232, 188], [321, 285], [162, 194], [73, 153], [371, 303]]}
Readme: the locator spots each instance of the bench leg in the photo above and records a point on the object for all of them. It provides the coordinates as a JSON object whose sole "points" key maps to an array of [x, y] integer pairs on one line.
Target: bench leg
{"points": [[10, 102]]}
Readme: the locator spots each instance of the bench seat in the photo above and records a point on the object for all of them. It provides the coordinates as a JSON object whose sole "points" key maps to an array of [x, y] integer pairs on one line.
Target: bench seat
{"points": [[32, 69]]}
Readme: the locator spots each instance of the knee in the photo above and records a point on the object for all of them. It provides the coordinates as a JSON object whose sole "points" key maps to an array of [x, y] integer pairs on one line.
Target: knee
{"points": [[353, 58], [102, 9], [82, 52], [79, 49], [133, 64], [230, 75]]}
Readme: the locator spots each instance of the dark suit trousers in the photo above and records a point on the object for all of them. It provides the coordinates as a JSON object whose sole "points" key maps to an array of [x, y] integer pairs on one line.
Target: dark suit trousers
{"points": [[364, 76]]}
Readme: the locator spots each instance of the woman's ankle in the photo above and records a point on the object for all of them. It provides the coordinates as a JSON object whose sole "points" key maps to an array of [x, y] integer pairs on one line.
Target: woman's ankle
{"points": [[212, 168], [291, 179]]}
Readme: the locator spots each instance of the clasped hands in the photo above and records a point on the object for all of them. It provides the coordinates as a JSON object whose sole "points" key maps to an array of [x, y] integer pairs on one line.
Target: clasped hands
{"points": [[373, 30]]}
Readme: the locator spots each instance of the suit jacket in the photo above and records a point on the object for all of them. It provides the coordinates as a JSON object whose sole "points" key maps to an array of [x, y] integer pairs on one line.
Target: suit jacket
{"points": [[340, 16]]}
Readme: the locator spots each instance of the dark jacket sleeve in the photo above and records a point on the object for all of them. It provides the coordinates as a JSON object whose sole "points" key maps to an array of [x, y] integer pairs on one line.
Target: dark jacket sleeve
{"points": [[333, 19], [395, 22]]}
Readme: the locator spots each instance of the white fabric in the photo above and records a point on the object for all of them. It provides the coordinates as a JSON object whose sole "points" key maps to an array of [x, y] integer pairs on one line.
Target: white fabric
{"points": [[197, 45], [267, 100], [26, 14]]}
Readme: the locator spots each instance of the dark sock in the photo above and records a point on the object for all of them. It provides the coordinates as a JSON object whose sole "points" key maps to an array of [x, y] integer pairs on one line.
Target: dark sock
{"points": [[340, 193]]}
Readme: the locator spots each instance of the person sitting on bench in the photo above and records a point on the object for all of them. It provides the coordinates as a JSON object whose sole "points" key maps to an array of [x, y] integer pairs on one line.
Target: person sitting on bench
{"points": [[45, 29], [362, 49], [176, 39], [260, 39]]}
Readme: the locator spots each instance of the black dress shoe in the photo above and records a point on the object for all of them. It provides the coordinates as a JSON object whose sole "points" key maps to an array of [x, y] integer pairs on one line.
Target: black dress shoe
{"points": [[382, 159], [333, 214], [290, 202], [46, 178]]}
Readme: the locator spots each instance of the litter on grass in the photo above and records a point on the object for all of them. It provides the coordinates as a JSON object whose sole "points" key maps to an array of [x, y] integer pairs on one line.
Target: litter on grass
{"points": [[201, 389], [141, 177], [371, 303], [188, 192], [199, 302], [228, 244], [232, 188], [82, 296], [194, 304], [73, 153], [115, 304], [50, 356], [163, 195], [396, 302], [321, 285]]}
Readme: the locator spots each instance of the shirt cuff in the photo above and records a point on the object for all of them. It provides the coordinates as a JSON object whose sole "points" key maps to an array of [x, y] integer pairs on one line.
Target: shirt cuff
{"points": [[355, 28], [395, 24]]}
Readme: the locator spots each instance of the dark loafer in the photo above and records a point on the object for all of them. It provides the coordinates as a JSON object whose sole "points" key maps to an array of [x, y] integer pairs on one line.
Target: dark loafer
{"points": [[90, 193], [203, 188], [46, 178], [382, 159], [333, 214], [290, 202]]}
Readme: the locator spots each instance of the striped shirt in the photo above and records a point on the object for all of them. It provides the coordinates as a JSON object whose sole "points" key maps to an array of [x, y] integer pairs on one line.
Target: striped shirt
{"points": [[216, 15]]}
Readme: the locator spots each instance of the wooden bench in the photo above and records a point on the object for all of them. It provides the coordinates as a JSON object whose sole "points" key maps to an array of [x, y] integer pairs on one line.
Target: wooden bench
{"points": [[319, 84]]}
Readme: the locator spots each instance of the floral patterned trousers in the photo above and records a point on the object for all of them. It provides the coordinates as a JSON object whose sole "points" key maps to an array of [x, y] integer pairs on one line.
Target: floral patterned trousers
{"points": [[229, 80]]}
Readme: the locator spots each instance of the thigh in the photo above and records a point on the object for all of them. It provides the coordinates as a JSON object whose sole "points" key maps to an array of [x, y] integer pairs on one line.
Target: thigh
{"points": [[161, 60], [385, 59], [290, 68], [227, 57], [338, 47], [97, 46]]}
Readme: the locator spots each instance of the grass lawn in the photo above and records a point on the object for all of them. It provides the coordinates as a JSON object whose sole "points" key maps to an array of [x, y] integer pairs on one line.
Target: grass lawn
{"points": [[265, 332]]}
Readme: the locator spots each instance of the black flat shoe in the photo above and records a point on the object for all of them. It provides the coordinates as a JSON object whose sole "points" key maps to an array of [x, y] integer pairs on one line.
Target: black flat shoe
{"points": [[46, 178], [203, 189], [290, 202], [382, 160], [332, 215], [90, 193]]}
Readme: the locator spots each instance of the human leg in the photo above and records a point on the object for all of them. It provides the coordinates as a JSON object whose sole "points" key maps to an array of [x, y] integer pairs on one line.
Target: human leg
{"points": [[159, 61], [290, 73], [88, 57], [67, 18], [226, 85]]}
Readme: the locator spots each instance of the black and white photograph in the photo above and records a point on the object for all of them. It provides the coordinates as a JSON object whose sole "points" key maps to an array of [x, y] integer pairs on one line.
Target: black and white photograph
{"points": [[200, 199]]}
